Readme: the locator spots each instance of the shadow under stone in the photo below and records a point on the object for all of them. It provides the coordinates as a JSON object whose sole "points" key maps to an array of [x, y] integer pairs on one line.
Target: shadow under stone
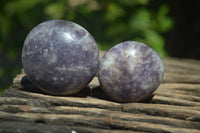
{"points": [[29, 86], [96, 92]]}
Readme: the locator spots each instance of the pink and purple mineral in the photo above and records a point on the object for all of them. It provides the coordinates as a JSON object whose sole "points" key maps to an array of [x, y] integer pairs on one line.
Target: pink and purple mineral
{"points": [[130, 71], [60, 57]]}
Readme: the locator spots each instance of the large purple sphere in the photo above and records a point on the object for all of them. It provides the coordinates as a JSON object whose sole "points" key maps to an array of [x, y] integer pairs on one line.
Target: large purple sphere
{"points": [[130, 71], [60, 57]]}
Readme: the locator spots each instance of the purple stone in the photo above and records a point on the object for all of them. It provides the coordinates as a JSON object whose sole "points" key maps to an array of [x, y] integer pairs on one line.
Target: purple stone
{"points": [[130, 71], [60, 57]]}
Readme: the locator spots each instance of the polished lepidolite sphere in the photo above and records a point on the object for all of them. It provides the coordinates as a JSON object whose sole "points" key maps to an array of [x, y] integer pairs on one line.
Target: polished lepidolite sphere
{"points": [[130, 71], [60, 57]]}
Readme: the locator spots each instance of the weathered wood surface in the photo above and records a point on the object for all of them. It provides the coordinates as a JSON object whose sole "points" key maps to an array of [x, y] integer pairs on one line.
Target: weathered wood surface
{"points": [[174, 107]]}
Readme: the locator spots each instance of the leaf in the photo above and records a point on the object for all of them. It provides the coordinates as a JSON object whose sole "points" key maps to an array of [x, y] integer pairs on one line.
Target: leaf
{"points": [[141, 20], [155, 41], [165, 23]]}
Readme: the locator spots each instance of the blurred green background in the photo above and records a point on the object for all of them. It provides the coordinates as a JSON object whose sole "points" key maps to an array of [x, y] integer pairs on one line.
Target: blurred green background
{"points": [[169, 27]]}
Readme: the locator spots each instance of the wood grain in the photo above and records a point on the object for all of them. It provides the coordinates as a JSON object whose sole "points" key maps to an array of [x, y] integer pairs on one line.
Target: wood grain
{"points": [[173, 108]]}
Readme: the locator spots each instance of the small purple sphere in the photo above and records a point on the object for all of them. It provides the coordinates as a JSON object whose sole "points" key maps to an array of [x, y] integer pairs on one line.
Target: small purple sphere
{"points": [[60, 57], [130, 71]]}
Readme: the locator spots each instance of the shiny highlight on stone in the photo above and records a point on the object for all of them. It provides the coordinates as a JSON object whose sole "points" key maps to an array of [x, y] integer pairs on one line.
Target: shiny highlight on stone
{"points": [[60, 57]]}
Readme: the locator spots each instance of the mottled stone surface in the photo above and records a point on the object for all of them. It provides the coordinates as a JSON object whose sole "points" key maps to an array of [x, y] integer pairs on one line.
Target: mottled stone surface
{"points": [[60, 57], [130, 71]]}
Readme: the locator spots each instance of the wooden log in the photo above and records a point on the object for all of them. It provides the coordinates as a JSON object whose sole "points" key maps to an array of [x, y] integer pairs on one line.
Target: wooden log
{"points": [[180, 86], [97, 130], [25, 127], [104, 123], [178, 112], [117, 115], [182, 66], [12, 94], [180, 78], [174, 106], [180, 96], [45, 101], [173, 101]]}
